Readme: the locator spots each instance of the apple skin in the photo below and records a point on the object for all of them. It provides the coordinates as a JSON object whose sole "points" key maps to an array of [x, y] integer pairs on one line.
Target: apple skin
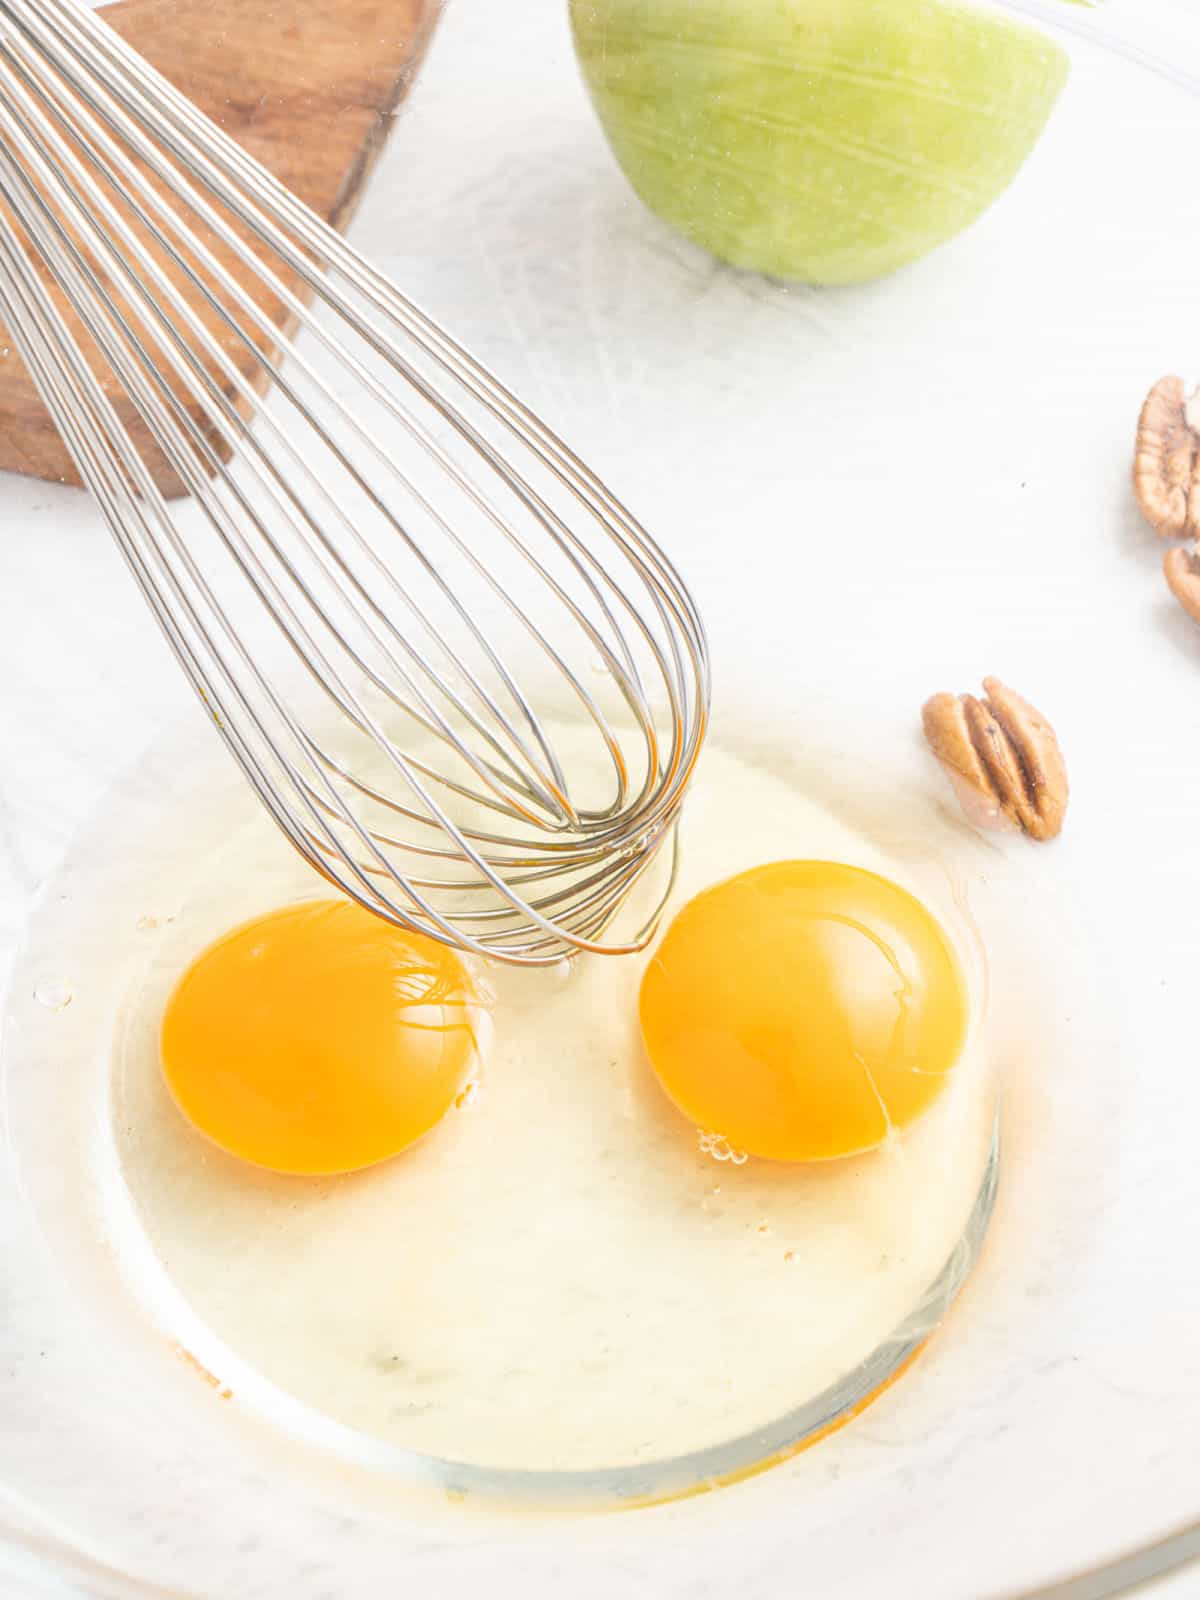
{"points": [[827, 141]]}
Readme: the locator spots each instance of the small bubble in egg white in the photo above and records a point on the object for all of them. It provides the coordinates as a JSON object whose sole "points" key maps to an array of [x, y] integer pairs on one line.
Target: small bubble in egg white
{"points": [[561, 970], [764, 1227], [148, 922], [789, 1255], [719, 1148], [468, 1096], [54, 995]]}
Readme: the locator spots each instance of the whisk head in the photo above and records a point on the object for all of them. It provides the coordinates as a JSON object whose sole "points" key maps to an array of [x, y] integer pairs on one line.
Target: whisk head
{"points": [[466, 683]]}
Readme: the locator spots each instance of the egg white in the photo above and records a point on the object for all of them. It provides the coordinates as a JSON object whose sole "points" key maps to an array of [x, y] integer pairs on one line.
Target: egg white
{"points": [[562, 1275]]}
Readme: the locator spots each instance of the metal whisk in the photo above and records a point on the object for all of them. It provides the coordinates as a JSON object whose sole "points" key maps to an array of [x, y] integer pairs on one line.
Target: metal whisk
{"points": [[421, 624]]}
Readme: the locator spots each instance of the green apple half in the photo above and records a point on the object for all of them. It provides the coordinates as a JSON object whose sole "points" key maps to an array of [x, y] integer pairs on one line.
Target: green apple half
{"points": [[824, 140]]}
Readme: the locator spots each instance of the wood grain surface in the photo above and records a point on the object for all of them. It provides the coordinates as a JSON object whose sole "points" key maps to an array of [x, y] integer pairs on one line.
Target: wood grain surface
{"points": [[306, 86]]}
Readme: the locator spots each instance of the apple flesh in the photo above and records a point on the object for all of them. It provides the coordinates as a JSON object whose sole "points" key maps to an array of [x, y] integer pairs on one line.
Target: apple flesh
{"points": [[829, 141]]}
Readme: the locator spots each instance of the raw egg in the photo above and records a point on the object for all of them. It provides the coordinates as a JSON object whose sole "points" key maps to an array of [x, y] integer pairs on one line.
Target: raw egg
{"points": [[803, 1010], [319, 1039], [495, 1295]]}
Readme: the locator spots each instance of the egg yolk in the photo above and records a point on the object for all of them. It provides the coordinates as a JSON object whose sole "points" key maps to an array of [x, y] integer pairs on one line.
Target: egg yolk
{"points": [[319, 1039], [803, 1010]]}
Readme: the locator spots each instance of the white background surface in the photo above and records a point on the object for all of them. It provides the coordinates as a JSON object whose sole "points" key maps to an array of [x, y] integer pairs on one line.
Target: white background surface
{"points": [[875, 495]]}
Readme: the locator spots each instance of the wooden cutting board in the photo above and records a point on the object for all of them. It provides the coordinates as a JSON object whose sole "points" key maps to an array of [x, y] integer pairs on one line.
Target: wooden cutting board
{"points": [[306, 86]]}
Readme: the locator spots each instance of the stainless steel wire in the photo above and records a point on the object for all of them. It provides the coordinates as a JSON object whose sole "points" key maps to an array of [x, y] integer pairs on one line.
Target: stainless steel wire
{"points": [[462, 678]]}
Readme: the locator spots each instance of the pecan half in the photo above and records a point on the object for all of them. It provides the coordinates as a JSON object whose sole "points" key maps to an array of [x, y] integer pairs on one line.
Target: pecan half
{"points": [[1166, 463], [1182, 569], [1003, 757]]}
